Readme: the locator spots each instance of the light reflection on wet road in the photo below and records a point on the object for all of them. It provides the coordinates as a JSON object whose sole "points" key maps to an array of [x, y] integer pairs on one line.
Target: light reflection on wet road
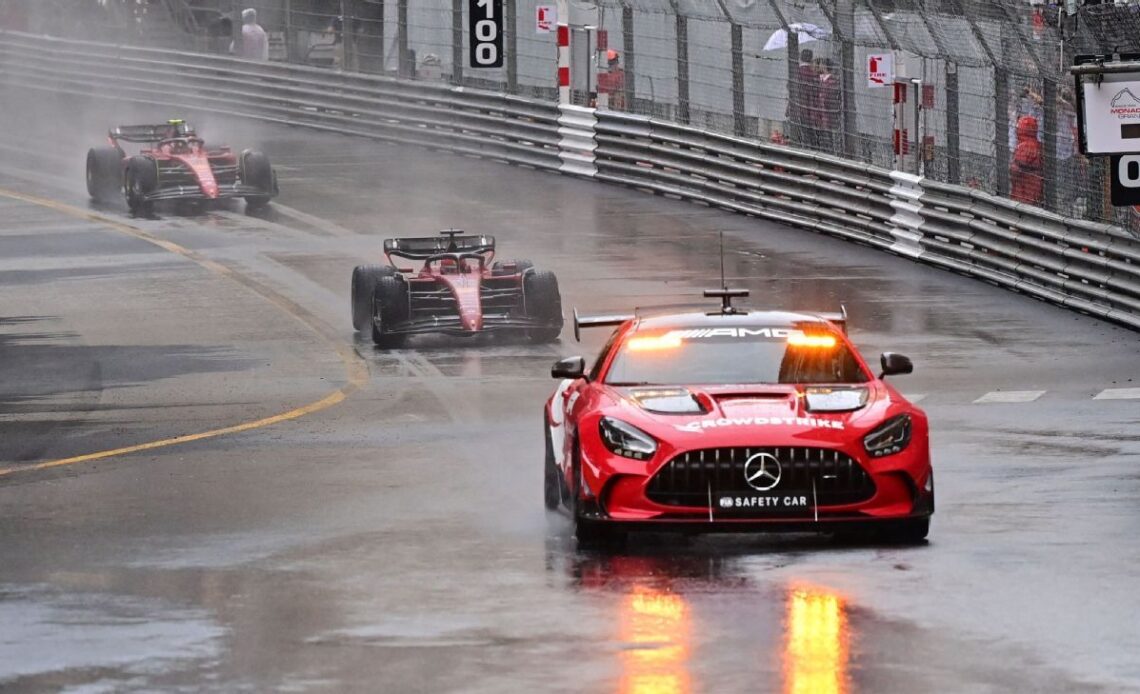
{"points": [[398, 543]]}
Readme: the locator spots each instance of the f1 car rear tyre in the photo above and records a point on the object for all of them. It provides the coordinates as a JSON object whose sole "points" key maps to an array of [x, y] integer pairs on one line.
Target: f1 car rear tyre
{"points": [[141, 180], [389, 307], [552, 491], [256, 172], [364, 279], [510, 267], [104, 173], [544, 305]]}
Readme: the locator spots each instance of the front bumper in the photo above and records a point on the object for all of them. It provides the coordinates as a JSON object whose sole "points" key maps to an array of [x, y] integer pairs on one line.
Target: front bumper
{"points": [[617, 493]]}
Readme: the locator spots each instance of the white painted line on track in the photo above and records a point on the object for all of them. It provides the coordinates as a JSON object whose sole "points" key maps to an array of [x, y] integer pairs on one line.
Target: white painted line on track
{"points": [[1118, 394], [1010, 396]]}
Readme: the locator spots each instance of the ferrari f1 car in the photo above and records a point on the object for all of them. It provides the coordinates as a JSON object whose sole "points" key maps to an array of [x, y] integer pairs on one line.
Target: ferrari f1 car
{"points": [[458, 290], [735, 420], [175, 164]]}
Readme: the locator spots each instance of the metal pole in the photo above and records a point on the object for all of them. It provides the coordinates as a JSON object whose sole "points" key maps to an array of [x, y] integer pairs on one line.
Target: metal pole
{"points": [[682, 66], [628, 54], [953, 126], [1001, 129], [457, 56], [1049, 94], [510, 19], [739, 121], [402, 38]]}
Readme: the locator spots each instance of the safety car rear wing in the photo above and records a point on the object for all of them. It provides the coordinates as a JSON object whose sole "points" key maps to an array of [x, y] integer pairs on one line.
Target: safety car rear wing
{"points": [[420, 248], [600, 321], [839, 319]]}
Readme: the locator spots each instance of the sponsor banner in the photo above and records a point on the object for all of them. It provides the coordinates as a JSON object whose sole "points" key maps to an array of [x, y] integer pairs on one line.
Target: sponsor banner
{"points": [[1111, 114]]}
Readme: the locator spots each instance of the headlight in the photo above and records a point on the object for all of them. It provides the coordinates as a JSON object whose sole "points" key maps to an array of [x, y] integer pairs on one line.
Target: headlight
{"points": [[892, 437], [626, 440]]}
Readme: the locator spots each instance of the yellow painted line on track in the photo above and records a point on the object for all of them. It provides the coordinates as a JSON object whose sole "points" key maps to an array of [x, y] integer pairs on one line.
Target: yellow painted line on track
{"points": [[355, 367]]}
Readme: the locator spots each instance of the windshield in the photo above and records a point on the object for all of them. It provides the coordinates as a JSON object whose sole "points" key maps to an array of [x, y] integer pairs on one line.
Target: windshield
{"points": [[747, 354]]}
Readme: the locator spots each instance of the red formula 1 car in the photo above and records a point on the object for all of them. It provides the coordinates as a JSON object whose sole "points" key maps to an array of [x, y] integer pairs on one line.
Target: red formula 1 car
{"points": [[735, 420], [175, 164], [458, 291]]}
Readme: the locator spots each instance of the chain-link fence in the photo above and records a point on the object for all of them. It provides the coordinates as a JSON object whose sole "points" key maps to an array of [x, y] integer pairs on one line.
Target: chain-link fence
{"points": [[997, 110]]}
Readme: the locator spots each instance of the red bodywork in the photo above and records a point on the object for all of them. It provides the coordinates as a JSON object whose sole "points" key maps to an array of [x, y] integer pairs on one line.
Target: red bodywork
{"points": [[753, 417]]}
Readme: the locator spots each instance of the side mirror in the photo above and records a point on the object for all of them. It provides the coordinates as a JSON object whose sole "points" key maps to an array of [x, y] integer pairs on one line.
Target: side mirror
{"points": [[893, 364], [570, 367]]}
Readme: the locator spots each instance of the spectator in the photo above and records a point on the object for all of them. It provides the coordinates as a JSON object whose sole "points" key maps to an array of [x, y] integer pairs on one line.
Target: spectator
{"points": [[1029, 103], [254, 43], [612, 81], [826, 114], [1026, 184], [802, 99]]}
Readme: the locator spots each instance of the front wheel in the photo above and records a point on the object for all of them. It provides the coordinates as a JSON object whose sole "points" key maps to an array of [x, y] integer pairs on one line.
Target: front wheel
{"points": [[911, 531], [104, 173], [591, 534], [364, 280]]}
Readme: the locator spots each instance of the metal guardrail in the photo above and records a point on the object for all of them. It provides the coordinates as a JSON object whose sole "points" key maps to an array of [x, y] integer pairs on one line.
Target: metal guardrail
{"points": [[1089, 267], [460, 120], [1094, 268]]}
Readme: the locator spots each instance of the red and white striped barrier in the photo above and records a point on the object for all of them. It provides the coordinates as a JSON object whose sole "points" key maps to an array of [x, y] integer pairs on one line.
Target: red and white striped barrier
{"points": [[563, 51]]}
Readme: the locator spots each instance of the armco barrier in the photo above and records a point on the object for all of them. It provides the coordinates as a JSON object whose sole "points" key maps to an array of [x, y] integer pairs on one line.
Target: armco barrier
{"points": [[1089, 267]]}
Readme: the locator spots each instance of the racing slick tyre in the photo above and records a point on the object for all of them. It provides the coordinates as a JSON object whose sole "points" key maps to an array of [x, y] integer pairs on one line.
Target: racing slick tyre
{"points": [[552, 485], [503, 267], [141, 180], [389, 307], [256, 172], [543, 305], [364, 279], [104, 173]]}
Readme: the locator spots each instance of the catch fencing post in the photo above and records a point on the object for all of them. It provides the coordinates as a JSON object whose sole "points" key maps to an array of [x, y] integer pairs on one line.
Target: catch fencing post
{"points": [[563, 52], [1001, 128], [628, 51], [511, 29], [1049, 94], [457, 41], [682, 24], [402, 38], [953, 125]]}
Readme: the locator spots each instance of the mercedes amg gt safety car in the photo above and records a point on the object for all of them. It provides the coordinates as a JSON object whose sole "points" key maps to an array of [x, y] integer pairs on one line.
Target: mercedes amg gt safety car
{"points": [[175, 164], [458, 290], [735, 419]]}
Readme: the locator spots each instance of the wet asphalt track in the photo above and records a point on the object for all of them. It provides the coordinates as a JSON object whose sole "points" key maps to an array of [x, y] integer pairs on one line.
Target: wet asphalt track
{"points": [[396, 541]]}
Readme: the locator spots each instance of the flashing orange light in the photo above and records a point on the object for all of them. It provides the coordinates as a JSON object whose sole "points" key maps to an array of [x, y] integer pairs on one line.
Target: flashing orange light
{"points": [[650, 343], [805, 340]]}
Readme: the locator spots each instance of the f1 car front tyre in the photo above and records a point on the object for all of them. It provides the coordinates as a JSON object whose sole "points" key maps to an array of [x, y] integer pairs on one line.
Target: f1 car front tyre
{"points": [[256, 172], [141, 180], [104, 173], [364, 279], [543, 305], [389, 308]]}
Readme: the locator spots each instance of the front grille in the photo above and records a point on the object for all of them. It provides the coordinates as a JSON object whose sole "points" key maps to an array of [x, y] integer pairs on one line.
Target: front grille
{"points": [[688, 479]]}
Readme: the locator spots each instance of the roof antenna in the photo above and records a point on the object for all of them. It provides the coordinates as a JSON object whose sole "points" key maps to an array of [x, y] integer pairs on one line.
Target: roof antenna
{"points": [[723, 284]]}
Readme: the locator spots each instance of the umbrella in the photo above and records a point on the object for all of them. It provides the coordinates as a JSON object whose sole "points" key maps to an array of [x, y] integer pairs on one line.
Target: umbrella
{"points": [[804, 33]]}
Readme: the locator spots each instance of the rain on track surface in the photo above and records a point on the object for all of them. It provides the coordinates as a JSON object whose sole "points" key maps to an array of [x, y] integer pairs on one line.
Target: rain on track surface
{"points": [[364, 546]]}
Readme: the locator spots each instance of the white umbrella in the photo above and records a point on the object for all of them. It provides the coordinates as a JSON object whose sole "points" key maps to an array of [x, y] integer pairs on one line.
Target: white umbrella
{"points": [[804, 33]]}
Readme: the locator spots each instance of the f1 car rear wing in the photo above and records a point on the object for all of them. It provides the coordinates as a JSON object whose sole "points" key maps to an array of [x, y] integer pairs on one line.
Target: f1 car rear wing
{"points": [[601, 321], [420, 248], [151, 133]]}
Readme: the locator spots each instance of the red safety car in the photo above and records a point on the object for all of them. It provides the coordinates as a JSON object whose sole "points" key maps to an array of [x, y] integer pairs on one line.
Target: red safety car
{"points": [[175, 164], [735, 419], [458, 290]]}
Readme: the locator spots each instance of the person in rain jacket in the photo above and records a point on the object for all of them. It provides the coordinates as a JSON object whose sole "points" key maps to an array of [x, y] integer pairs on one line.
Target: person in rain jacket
{"points": [[1026, 184], [254, 42]]}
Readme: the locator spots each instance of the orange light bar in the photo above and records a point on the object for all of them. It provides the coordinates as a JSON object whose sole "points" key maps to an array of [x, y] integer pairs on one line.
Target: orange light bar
{"points": [[804, 340], [650, 343]]}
